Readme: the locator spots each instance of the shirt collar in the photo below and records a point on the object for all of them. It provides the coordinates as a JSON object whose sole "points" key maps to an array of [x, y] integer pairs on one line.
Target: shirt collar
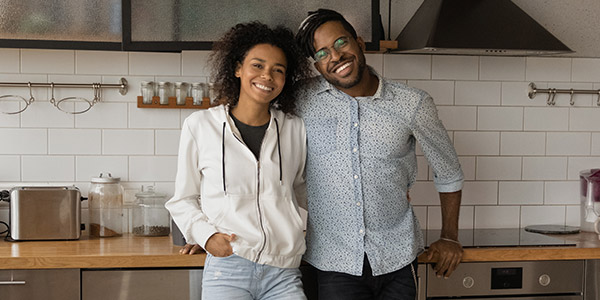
{"points": [[324, 86]]}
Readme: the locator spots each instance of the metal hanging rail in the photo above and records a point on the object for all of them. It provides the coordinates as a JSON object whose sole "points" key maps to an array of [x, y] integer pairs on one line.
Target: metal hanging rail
{"points": [[533, 91], [122, 85], [61, 104]]}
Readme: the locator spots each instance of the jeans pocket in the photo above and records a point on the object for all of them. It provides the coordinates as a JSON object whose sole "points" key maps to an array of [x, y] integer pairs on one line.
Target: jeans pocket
{"points": [[216, 268]]}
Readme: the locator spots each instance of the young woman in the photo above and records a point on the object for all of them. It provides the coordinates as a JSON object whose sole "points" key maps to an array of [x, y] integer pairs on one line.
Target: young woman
{"points": [[240, 177]]}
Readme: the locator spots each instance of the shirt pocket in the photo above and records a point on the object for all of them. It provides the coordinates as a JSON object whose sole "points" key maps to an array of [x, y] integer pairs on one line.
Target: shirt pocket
{"points": [[321, 135]]}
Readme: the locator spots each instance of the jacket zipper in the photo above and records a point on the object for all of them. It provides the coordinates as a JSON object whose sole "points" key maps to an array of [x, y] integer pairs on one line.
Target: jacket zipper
{"points": [[262, 229]]}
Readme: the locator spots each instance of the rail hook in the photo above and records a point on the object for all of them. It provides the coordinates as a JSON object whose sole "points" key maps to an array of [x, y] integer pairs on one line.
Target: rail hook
{"points": [[52, 100], [572, 101], [31, 98], [551, 96]]}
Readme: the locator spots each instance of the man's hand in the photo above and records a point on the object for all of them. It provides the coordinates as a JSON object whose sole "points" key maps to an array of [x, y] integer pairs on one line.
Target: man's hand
{"points": [[447, 255], [219, 244], [190, 249]]}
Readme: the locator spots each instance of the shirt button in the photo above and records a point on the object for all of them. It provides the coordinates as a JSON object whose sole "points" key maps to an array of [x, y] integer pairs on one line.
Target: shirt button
{"points": [[361, 231], [355, 176], [357, 203], [354, 149], [355, 124]]}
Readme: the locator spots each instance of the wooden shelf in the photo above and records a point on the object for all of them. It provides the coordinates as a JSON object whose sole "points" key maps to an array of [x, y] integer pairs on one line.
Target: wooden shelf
{"points": [[189, 103]]}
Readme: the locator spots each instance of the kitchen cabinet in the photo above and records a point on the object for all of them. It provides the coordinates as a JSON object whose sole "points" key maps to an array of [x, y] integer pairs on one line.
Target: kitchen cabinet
{"points": [[158, 25], [48, 284], [592, 279], [422, 282], [145, 284]]}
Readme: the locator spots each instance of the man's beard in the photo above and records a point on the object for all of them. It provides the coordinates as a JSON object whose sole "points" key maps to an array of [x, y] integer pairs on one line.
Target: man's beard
{"points": [[346, 85]]}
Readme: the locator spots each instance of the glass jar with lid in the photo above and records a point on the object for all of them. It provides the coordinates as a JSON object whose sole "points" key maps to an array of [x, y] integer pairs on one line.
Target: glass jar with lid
{"points": [[198, 92], [106, 206], [164, 92], [181, 92], [149, 216], [147, 89]]}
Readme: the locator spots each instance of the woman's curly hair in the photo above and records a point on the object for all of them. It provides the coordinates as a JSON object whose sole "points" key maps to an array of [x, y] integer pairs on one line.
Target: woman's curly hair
{"points": [[233, 48]]}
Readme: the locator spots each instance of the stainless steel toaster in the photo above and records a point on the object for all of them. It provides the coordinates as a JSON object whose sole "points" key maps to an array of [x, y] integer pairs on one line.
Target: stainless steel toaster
{"points": [[45, 213]]}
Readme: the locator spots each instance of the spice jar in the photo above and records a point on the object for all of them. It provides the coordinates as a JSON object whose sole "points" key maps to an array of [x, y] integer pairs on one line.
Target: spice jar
{"points": [[180, 92], [106, 206], [164, 92], [150, 217], [147, 89], [198, 92], [212, 93]]}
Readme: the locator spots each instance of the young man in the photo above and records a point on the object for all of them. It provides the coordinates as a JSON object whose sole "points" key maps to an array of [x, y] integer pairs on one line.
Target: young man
{"points": [[362, 234]]}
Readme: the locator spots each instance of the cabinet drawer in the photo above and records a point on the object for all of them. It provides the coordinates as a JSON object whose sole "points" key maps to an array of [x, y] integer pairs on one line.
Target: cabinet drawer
{"points": [[51, 284], [153, 284]]}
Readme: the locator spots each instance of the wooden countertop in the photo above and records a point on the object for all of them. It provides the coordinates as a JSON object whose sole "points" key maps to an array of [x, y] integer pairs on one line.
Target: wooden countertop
{"points": [[128, 251], [151, 252], [587, 246]]}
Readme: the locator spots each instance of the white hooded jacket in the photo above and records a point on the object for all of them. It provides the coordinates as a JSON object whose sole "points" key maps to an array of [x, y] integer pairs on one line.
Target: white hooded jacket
{"points": [[221, 187]]}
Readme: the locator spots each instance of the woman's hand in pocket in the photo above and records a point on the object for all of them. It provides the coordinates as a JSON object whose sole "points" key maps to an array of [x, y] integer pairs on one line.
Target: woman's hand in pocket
{"points": [[219, 244]]}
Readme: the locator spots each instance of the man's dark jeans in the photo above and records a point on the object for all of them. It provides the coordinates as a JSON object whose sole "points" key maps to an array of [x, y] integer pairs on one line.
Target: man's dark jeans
{"points": [[400, 285]]}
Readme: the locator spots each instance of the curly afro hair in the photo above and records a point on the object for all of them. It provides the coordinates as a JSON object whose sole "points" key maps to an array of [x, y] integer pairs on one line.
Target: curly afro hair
{"points": [[233, 48]]}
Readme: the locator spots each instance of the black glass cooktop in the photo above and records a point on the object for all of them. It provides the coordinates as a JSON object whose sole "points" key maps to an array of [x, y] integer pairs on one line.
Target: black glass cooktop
{"points": [[509, 237]]}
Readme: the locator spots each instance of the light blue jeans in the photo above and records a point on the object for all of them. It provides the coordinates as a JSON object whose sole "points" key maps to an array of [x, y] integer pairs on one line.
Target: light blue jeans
{"points": [[236, 278]]}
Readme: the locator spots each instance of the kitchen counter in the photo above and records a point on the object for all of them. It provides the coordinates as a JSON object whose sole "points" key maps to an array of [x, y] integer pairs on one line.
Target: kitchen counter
{"points": [[128, 251], [155, 252], [587, 246]]}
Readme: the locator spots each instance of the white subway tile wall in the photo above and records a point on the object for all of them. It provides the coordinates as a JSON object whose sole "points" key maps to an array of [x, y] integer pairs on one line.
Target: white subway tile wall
{"points": [[477, 93], [101, 62], [375, 61], [595, 144], [544, 168], [502, 68], [36, 61], [441, 91], [548, 69], [532, 215], [521, 192], [407, 66], [480, 193], [454, 67], [521, 158], [586, 70], [74, 141], [9, 60]]}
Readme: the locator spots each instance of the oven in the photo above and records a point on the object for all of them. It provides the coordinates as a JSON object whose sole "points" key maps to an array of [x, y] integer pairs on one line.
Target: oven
{"points": [[526, 280]]}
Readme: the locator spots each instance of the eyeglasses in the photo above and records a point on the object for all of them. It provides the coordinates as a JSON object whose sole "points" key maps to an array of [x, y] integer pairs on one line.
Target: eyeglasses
{"points": [[325, 53]]}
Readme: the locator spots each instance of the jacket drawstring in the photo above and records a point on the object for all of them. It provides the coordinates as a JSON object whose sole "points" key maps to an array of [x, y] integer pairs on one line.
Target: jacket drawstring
{"points": [[223, 155], [279, 152], [223, 158]]}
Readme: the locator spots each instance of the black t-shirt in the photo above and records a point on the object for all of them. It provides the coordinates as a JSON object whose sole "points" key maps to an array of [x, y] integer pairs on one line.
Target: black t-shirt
{"points": [[252, 135]]}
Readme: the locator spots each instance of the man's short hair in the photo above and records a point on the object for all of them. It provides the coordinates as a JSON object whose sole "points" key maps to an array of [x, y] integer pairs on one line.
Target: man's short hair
{"points": [[306, 32]]}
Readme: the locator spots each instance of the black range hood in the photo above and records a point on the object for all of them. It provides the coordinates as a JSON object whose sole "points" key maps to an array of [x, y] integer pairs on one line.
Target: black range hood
{"points": [[476, 27]]}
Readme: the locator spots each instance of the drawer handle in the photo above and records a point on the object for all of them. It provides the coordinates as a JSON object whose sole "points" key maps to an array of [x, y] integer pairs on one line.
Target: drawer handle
{"points": [[16, 282]]}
